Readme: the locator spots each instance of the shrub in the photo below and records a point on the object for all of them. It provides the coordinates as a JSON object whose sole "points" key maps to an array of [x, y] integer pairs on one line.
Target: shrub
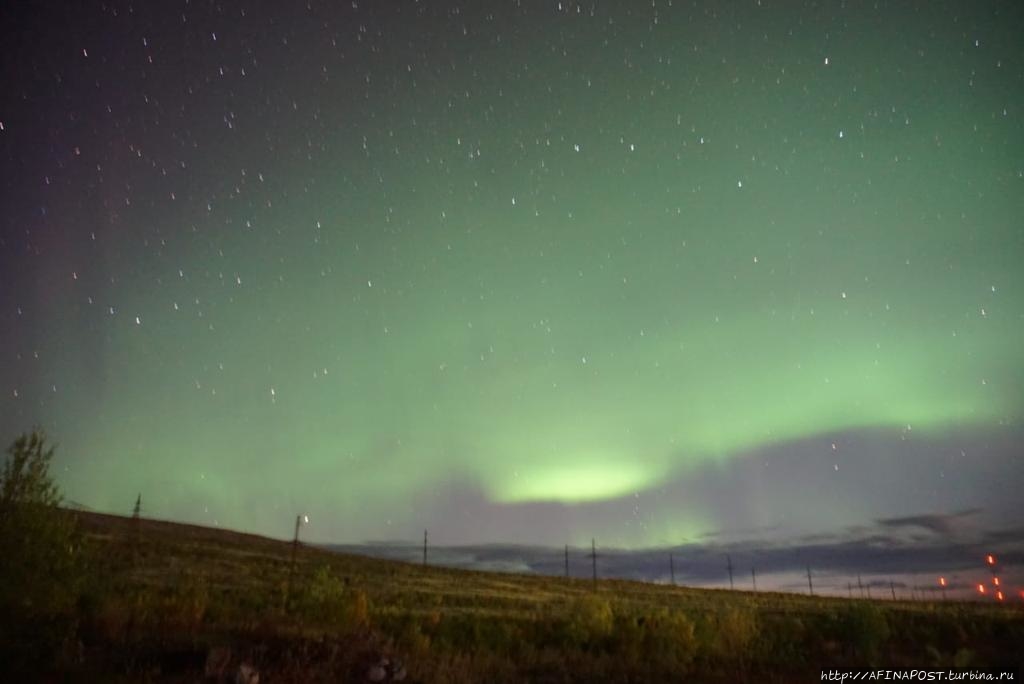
{"points": [[184, 607], [413, 640], [326, 601], [676, 641], [787, 640], [41, 564], [40, 567], [737, 628], [590, 621], [866, 630], [727, 635], [666, 637]]}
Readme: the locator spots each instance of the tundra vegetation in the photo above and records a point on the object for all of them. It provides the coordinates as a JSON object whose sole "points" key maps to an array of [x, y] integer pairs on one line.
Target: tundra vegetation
{"points": [[99, 597]]}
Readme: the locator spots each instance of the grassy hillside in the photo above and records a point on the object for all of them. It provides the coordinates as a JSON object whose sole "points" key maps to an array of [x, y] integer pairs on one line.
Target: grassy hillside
{"points": [[171, 602]]}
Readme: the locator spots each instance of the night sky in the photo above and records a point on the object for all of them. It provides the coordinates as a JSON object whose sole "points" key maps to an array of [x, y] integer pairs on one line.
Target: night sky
{"points": [[525, 272]]}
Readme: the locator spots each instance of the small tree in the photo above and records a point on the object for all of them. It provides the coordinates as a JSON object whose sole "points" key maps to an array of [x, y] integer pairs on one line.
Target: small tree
{"points": [[26, 479], [40, 559]]}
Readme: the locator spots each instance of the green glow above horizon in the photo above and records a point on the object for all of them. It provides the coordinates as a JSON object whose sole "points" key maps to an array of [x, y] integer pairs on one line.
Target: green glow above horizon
{"points": [[543, 277]]}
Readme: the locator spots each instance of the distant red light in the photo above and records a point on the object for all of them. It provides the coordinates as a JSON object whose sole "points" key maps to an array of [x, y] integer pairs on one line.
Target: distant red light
{"points": [[981, 588], [942, 581], [999, 595], [991, 559], [995, 581]]}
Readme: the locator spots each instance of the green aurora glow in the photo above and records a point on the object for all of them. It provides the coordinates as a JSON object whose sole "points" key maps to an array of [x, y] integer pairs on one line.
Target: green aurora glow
{"points": [[395, 280]]}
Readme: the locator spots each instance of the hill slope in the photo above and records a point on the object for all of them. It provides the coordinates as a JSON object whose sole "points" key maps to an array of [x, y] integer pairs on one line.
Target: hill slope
{"points": [[173, 602]]}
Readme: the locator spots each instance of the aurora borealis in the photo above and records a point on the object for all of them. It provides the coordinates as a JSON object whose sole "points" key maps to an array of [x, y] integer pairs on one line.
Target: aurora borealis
{"points": [[526, 272]]}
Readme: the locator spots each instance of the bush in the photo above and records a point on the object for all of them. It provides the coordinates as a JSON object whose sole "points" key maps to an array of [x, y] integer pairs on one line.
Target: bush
{"points": [[41, 564], [866, 630], [787, 640], [664, 639], [326, 601], [676, 641], [183, 607], [727, 635], [737, 628], [590, 621], [413, 640]]}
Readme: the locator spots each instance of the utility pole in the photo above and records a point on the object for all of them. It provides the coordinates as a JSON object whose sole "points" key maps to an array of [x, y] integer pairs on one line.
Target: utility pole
{"points": [[810, 585], [753, 578], [892, 588], [728, 561], [672, 569], [860, 585], [593, 559], [295, 540], [566, 561], [291, 565], [136, 513], [424, 548]]}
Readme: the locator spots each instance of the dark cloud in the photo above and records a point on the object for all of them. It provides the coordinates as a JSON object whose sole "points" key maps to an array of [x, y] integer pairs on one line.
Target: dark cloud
{"points": [[910, 488], [1007, 536], [882, 560], [935, 522], [897, 508]]}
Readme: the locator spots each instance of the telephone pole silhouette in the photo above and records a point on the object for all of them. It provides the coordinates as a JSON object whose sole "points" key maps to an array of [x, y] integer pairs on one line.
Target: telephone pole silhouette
{"points": [[424, 548], [295, 539], [291, 564], [137, 510], [593, 559], [810, 585], [753, 578], [728, 561]]}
